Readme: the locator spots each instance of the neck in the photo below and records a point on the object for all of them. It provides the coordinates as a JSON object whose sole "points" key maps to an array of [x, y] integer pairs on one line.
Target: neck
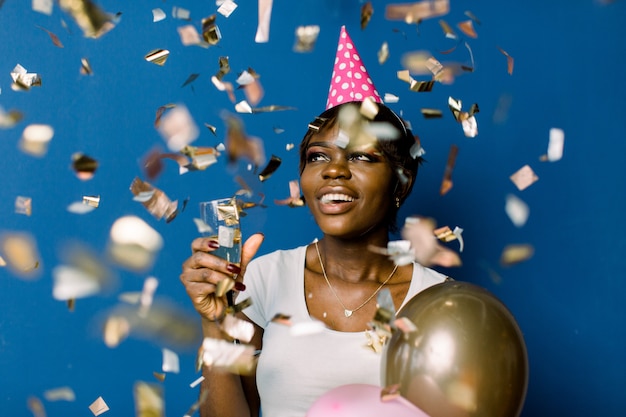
{"points": [[352, 260]]}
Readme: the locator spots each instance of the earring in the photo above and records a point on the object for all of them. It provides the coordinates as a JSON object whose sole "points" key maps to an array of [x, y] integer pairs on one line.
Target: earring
{"points": [[397, 202]]}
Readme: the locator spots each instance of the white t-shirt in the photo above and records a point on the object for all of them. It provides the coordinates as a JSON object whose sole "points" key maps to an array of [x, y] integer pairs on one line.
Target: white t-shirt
{"points": [[293, 371]]}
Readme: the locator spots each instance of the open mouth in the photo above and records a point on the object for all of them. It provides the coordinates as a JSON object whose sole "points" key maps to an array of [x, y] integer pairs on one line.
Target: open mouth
{"points": [[336, 198]]}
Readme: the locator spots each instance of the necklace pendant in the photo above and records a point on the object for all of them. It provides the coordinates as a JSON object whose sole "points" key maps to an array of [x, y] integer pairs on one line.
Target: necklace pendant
{"points": [[347, 312]]}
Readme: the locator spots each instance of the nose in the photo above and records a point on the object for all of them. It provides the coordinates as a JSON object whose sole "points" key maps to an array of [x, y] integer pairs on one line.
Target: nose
{"points": [[337, 168]]}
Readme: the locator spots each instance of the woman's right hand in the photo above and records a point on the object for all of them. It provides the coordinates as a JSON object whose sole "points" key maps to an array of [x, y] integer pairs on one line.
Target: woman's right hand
{"points": [[202, 272]]}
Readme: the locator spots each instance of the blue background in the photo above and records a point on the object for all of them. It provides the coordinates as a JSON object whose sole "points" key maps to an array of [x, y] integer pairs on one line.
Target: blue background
{"points": [[569, 65]]}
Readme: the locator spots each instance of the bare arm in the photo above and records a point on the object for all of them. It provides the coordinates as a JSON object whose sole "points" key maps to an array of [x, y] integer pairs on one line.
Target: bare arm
{"points": [[227, 394]]}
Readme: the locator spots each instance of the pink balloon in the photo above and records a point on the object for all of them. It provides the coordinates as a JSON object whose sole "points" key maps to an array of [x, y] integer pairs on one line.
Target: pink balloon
{"points": [[361, 400]]}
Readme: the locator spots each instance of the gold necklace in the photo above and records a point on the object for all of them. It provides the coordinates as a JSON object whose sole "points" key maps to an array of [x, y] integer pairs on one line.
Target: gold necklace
{"points": [[347, 311]]}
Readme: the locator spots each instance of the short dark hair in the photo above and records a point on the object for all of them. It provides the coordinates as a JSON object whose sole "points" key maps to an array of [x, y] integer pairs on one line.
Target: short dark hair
{"points": [[397, 149]]}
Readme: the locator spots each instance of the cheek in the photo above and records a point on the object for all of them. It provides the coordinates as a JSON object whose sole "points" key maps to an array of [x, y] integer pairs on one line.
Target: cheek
{"points": [[306, 184]]}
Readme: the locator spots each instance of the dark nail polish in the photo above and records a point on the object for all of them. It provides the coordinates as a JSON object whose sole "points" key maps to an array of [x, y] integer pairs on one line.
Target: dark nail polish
{"points": [[240, 286], [232, 268], [213, 244]]}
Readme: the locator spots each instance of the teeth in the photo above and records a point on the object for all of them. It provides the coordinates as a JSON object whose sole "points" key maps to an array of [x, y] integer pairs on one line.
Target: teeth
{"points": [[329, 198]]}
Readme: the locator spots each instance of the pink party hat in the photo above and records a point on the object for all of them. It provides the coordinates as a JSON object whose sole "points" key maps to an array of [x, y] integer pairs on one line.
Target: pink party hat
{"points": [[350, 80]]}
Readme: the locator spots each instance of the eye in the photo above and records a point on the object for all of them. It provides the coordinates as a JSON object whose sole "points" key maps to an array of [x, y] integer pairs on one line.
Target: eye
{"points": [[362, 156], [316, 157]]}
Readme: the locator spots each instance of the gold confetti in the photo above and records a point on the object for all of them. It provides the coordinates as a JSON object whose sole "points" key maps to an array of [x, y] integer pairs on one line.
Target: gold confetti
{"points": [[467, 27], [306, 36], [10, 119], [171, 361], [212, 128], [201, 157], [434, 66], [415, 85], [509, 60], [472, 16], [555, 145], [417, 11], [446, 183], [166, 325], [224, 67], [295, 198], [154, 200], [367, 10], [157, 56], [374, 341], [35, 139], [390, 392], [23, 205], [421, 86], [383, 53], [53, 37], [444, 234], [92, 20], [159, 376], [224, 285], [133, 243], [178, 128], [271, 108], [237, 329], [517, 210], [221, 354], [263, 27], [147, 296], [239, 307], [41, 6], [189, 36], [35, 406], [84, 166], [240, 145], [24, 80], [524, 177], [116, 330], [283, 319], [60, 394], [190, 79], [148, 400], [210, 32], [180, 13], [405, 325], [467, 119], [227, 8], [82, 274], [447, 30], [98, 406], [252, 88], [158, 15], [516, 253], [21, 254], [419, 231], [270, 168], [85, 67], [431, 113]]}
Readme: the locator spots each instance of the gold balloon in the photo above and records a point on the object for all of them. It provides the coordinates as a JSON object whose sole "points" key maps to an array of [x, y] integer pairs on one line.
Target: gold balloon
{"points": [[467, 357]]}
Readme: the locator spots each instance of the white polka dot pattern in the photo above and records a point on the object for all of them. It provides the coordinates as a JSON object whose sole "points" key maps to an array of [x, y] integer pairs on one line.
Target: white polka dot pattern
{"points": [[350, 80]]}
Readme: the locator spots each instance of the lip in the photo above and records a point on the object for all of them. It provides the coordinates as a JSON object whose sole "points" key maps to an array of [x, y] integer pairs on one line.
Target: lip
{"points": [[335, 207]]}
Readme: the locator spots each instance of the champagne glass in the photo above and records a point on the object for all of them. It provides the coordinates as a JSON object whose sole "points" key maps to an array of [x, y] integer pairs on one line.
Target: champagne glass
{"points": [[221, 218]]}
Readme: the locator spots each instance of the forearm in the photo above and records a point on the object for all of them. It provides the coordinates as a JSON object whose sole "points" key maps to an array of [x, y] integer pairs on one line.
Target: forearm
{"points": [[222, 391]]}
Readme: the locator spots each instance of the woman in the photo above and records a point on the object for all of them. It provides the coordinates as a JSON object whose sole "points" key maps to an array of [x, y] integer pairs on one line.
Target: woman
{"points": [[353, 183]]}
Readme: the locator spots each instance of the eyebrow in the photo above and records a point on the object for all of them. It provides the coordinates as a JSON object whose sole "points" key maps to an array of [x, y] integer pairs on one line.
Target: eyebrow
{"points": [[327, 144]]}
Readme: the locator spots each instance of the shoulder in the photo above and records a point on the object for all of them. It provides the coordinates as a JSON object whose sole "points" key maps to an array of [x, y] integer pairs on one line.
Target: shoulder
{"points": [[280, 255], [426, 276], [282, 260]]}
